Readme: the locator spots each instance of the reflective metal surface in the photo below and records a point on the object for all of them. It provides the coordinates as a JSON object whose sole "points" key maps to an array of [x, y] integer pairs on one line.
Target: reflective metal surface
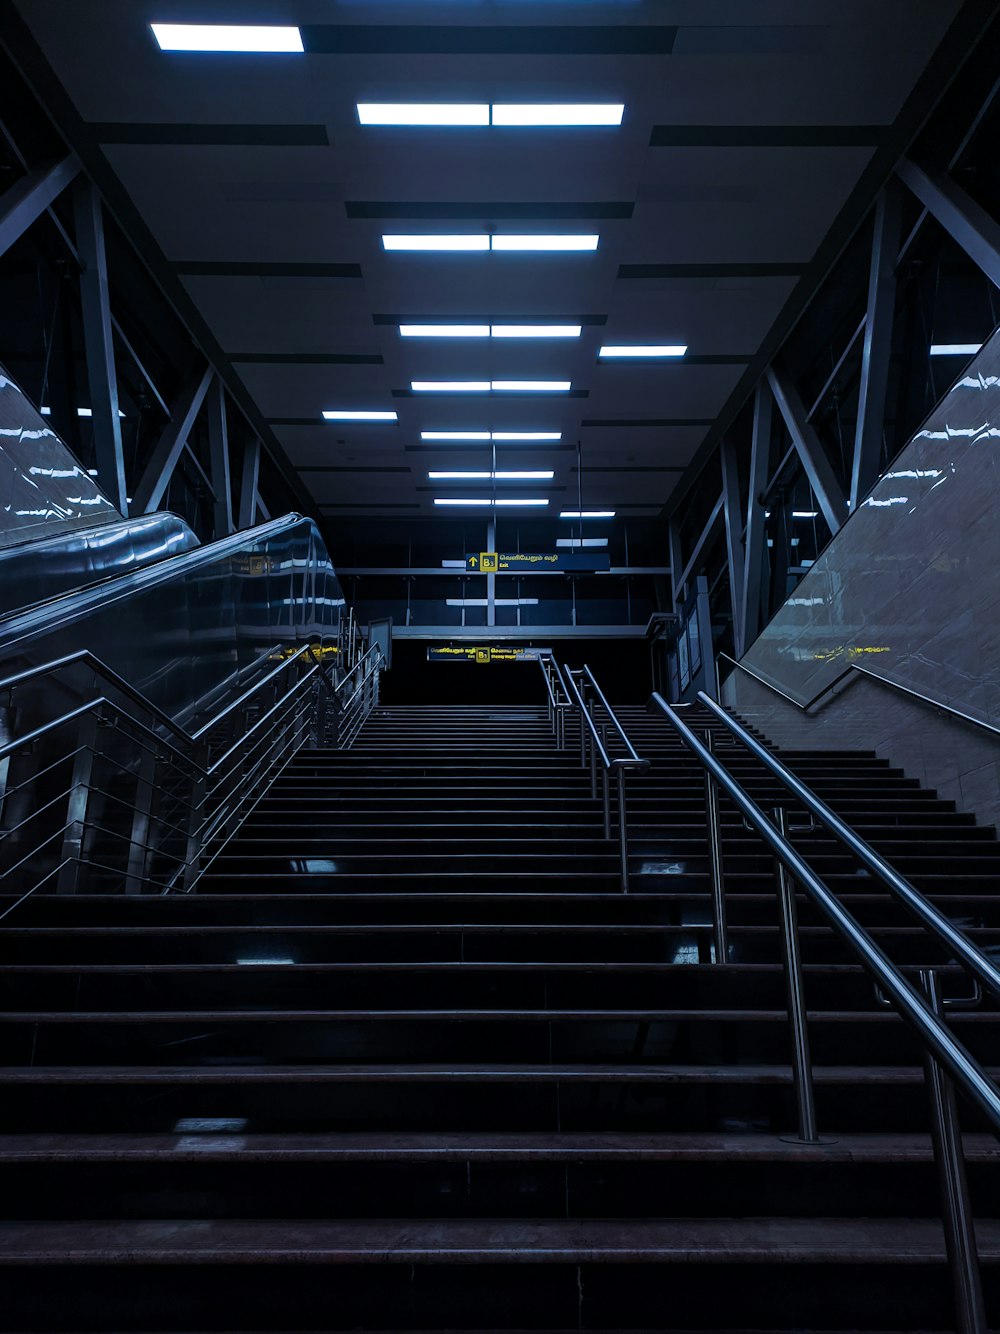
{"points": [[34, 571], [43, 490]]}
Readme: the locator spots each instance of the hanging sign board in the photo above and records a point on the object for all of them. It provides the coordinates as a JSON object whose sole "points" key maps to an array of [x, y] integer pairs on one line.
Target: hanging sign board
{"points": [[487, 654], [521, 562]]}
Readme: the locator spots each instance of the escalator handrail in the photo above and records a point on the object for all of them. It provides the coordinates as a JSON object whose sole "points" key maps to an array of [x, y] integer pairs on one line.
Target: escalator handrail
{"points": [[905, 999], [911, 898]]}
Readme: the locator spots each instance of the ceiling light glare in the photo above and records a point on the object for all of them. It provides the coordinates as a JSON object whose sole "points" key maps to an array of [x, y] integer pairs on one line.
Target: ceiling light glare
{"points": [[473, 242], [450, 386], [805, 514], [444, 331], [535, 330], [80, 412], [955, 349], [454, 435], [576, 543], [558, 113], [533, 475], [423, 113], [550, 243], [587, 514], [526, 435], [234, 37], [644, 350], [497, 602], [358, 415], [515, 501], [532, 386], [480, 502]]}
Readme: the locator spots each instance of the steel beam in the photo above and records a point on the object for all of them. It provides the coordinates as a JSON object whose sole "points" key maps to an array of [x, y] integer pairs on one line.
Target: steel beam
{"points": [[755, 547], [171, 443], [818, 468], [218, 460], [674, 553], [28, 198], [877, 346], [98, 339], [706, 533], [733, 512], [262, 511], [248, 484], [962, 218]]}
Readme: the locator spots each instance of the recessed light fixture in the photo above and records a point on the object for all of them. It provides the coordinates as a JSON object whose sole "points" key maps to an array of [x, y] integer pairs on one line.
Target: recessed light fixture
{"points": [[481, 113], [526, 435], [490, 386], [424, 113], [235, 37], [489, 330], [587, 514], [358, 415], [455, 435], [558, 113], [497, 602], [80, 412], [472, 436], [645, 350], [532, 475], [475, 241], [578, 542], [955, 349], [805, 514], [481, 502]]}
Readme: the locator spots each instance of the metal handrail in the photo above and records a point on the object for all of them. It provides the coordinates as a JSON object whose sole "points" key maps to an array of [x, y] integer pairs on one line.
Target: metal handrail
{"points": [[974, 959], [858, 670], [633, 754], [906, 1000]]}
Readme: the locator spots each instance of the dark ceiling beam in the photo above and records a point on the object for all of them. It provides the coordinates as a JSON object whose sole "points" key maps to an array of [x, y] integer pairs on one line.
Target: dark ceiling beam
{"points": [[28, 198], [25, 53]]}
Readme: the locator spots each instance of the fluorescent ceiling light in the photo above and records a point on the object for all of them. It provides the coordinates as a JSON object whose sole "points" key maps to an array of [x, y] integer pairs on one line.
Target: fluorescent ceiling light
{"points": [[497, 602], [473, 242], [535, 330], [587, 514], [225, 37], [490, 386], [454, 435], [351, 415], [424, 113], [954, 349], [527, 435], [644, 350], [558, 113], [545, 242], [444, 331], [578, 542], [489, 330], [454, 500], [805, 514], [258, 962], [534, 475]]}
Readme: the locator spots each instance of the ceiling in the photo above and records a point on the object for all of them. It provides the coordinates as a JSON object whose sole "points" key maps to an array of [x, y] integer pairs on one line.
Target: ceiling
{"points": [[747, 124]]}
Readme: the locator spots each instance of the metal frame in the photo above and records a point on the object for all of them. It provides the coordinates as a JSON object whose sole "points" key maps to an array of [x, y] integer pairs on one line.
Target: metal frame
{"points": [[818, 468], [965, 221], [218, 453], [755, 549], [877, 346], [27, 199], [170, 446]]}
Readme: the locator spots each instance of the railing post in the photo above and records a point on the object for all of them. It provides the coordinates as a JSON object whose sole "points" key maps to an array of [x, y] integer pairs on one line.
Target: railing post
{"points": [[622, 829], [196, 820], [720, 932], [606, 800], [801, 1060], [73, 842], [139, 839], [959, 1227]]}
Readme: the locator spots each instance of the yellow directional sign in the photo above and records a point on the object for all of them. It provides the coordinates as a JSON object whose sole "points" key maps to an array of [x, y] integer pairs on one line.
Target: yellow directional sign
{"points": [[488, 562]]}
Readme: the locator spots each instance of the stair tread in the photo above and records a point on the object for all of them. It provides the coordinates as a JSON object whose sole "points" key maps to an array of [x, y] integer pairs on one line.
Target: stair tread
{"points": [[387, 1241]]}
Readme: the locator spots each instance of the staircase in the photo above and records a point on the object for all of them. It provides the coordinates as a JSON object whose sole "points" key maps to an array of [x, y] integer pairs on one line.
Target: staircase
{"points": [[411, 1060]]}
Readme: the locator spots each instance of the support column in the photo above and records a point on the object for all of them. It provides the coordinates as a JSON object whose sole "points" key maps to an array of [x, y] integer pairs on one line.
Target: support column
{"points": [[877, 347], [733, 512], [491, 579], [218, 460], [248, 484], [98, 341], [755, 546]]}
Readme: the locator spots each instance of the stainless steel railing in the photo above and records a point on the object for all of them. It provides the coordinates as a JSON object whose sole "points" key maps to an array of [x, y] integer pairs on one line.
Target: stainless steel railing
{"points": [[113, 795], [946, 1059], [599, 730], [558, 702]]}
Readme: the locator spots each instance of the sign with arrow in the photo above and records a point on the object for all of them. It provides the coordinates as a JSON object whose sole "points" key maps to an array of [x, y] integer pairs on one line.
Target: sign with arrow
{"points": [[544, 562]]}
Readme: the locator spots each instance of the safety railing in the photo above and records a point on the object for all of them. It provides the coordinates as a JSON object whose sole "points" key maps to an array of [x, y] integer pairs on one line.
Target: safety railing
{"points": [[113, 795], [600, 733], [946, 1060], [855, 672], [558, 703]]}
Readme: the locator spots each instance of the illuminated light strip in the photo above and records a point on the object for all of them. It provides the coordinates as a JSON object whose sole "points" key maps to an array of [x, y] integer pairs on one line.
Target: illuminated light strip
{"points": [[232, 37], [475, 242]]}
